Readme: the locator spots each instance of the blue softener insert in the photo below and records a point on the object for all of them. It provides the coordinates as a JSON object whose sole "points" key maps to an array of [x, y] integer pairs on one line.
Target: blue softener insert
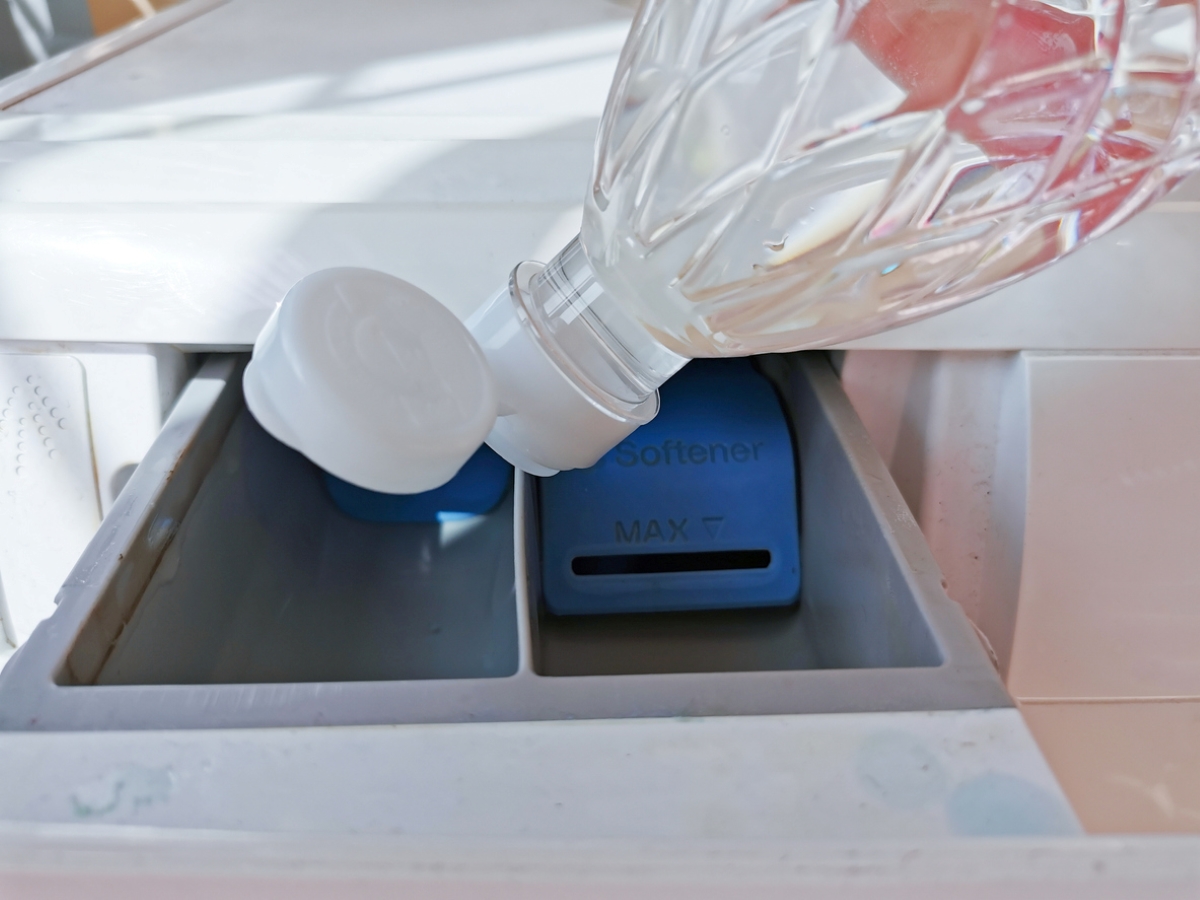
{"points": [[695, 510], [478, 488]]}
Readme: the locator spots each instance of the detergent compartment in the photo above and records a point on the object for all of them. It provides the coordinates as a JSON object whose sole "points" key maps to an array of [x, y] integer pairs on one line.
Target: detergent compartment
{"points": [[230, 588]]}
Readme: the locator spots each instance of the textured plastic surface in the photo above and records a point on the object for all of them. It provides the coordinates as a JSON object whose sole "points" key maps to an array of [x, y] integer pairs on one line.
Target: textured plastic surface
{"points": [[695, 510], [478, 488], [771, 177], [49, 497], [75, 420], [775, 178]]}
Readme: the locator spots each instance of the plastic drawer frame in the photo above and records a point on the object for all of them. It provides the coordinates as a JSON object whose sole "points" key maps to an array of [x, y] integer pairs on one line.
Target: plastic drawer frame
{"points": [[852, 512]]}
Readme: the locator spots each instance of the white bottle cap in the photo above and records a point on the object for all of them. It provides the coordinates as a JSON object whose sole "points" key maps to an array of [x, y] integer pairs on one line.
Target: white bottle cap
{"points": [[373, 380]]}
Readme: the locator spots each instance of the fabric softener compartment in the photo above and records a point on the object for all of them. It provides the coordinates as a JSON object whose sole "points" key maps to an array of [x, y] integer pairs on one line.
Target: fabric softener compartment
{"points": [[696, 510]]}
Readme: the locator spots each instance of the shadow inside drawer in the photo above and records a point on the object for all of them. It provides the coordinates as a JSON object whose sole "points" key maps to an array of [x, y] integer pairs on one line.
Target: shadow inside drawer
{"points": [[267, 581], [733, 640]]}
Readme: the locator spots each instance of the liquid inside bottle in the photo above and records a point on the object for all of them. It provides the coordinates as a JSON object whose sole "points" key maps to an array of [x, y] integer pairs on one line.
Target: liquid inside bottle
{"points": [[776, 175]]}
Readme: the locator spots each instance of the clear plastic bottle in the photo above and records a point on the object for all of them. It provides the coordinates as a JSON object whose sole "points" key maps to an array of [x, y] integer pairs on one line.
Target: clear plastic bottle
{"points": [[775, 175]]}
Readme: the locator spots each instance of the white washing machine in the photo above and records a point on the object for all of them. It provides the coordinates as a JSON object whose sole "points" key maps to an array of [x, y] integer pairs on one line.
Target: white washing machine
{"points": [[154, 207]]}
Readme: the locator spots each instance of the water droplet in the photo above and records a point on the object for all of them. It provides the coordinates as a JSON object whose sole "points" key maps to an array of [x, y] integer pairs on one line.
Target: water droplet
{"points": [[29, 379], [49, 443], [53, 454], [36, 417], [33, 406], [54, 413], [7, 413], [62, 423], [776, 246], [45, 401], [16, 388], [42, 429], [38, 391], [20, 445], [20, 471], [20, 458]]}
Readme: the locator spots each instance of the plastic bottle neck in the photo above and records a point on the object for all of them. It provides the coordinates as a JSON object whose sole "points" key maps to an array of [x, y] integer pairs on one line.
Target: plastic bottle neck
{"points": [[575, 373], [588, 332]]}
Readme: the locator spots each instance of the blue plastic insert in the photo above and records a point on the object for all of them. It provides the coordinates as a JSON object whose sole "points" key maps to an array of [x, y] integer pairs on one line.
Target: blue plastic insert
{"points": [[478, 488], [695, 510]]}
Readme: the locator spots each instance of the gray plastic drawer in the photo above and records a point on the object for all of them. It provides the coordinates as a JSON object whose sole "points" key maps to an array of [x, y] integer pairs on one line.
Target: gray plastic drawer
{"points": [[226, 590]]}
